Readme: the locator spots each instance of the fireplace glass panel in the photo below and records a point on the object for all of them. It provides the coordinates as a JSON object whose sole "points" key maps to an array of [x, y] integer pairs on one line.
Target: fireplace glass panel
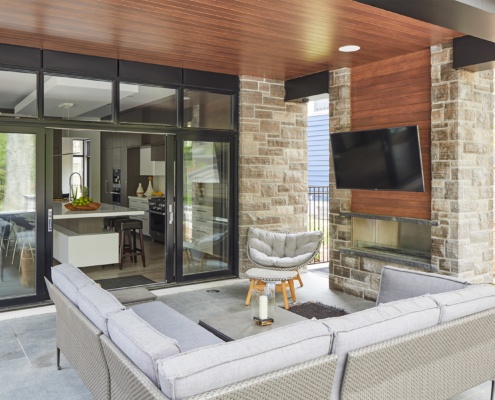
{"points": [[394, 237]]}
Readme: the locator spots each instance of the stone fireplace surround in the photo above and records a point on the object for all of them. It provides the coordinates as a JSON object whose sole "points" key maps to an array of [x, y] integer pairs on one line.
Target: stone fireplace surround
{"points": [[462, 181]]}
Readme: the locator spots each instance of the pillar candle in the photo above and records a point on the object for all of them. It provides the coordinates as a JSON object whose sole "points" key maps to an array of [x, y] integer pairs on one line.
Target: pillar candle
{"points": [[263, 311]]}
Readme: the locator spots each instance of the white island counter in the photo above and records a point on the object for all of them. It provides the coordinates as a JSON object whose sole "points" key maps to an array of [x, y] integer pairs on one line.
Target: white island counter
{"points": [[105, 210], [80, 238]]}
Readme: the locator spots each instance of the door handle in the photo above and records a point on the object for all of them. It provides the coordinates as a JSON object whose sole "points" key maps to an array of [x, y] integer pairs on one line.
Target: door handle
{"points": [[170, 214], [106, 185], [50, 220]]}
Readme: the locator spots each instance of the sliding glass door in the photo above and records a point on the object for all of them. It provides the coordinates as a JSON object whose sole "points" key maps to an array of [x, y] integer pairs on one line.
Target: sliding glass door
{"points": [[22, 215], [205, 225]]}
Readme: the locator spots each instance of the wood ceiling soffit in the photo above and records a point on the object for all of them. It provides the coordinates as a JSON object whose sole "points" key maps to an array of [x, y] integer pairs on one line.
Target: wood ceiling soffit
{"points": [[280, 40]]}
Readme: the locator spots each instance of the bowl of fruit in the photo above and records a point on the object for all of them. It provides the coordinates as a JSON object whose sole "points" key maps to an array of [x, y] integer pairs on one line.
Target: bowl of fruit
{"points": [[83, 203]]}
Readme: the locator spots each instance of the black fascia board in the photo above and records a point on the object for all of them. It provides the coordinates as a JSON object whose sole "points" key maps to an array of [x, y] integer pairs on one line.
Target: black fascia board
{"points": [[210, 80], [473, 54], [20, 56], [306, 86], [133, 71], [451, 14], [80, 64]]}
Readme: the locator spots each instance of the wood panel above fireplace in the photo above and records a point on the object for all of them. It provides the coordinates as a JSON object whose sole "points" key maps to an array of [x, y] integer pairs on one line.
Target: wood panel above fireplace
{"points": [[396, 92]]}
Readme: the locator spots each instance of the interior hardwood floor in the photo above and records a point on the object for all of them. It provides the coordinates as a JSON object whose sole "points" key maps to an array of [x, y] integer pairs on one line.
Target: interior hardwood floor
{"points": [[155, 265]]}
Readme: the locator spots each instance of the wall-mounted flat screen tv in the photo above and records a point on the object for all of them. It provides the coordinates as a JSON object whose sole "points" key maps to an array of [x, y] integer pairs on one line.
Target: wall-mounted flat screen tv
{"points": [[378, 159]]}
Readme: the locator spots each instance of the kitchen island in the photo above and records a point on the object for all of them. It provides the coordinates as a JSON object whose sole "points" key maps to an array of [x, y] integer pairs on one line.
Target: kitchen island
{"points": [[80, 237]]}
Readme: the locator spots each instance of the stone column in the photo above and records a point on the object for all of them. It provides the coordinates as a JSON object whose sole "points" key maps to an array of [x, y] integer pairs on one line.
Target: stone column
{"points": [[462, 168], [273, 167], [340, 200]]}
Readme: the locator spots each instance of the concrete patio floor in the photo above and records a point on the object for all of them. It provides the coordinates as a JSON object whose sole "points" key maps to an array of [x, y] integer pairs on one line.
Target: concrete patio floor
{"points": [[27, 343]]}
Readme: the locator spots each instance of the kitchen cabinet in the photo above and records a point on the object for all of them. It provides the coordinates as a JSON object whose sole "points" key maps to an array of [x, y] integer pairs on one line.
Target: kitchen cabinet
{"points": [[148, 167], [141, 203], [158, 152], [115, 155]]}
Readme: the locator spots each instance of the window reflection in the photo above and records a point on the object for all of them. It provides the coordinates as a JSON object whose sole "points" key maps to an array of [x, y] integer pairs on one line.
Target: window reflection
{"points": [[18, 94], [207, 110], [147, 104], [17, 214], [206, 207], [77, 99]]}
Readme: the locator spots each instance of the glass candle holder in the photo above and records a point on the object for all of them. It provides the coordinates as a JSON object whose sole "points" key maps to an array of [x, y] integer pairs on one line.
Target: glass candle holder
{"points": [[263, 304]]}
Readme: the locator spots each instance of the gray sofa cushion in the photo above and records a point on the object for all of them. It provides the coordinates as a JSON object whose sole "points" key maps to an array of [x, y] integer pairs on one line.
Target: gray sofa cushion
{"points": [[166, 320], [208, 368], [376, 325], [398, 283], [461, 303], [139, 341], [70, 280], [98, 304]]}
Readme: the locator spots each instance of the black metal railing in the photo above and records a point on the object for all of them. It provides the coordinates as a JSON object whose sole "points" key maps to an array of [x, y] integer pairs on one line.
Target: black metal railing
{"points": [[319, 219]]}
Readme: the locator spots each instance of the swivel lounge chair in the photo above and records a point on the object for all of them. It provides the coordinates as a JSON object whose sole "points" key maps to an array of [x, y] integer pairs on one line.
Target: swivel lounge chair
{"points": [[283, 251]]}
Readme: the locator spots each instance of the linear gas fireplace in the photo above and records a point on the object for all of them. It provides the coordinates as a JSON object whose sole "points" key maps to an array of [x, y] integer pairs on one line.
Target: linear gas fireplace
{"points": [[405, 241]]}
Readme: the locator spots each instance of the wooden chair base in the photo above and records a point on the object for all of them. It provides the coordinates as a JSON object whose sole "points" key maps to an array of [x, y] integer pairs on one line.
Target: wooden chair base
{"points": [[279, 287]]}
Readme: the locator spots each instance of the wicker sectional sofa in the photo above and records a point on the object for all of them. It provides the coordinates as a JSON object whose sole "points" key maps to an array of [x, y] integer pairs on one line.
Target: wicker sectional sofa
{"points": [[120, 352], [429, 337]]}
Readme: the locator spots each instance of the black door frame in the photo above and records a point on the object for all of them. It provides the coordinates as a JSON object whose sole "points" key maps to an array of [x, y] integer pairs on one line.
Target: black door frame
{"points": [[208, 136], [44, 189]]}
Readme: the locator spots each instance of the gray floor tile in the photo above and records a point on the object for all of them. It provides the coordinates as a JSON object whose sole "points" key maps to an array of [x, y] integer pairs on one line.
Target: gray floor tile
{"points": [[10, 349], [6, 331], [40, 347], [33, 324]]}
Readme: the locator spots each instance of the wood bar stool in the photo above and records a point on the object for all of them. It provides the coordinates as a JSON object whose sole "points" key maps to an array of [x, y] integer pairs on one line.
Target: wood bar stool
{"points": [[127, 230]]}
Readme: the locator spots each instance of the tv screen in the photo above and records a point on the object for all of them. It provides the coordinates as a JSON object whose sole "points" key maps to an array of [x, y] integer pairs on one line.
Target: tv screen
{"points": [[378, 159]]}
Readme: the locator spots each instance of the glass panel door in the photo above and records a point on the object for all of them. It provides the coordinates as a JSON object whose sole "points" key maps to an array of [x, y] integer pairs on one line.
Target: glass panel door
{"points": [[205, 244], [20, 159]]}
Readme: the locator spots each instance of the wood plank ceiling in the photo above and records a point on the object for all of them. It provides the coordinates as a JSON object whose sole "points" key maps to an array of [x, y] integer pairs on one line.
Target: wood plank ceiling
{"points": [[278, 39]]}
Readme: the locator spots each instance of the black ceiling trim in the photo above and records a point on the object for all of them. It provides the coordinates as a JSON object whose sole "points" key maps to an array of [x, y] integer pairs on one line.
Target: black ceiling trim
{"points": [[150, 73], [473, 54], [80, 64], [306, 86], [451, 14], [19, 56], [210, 80]]}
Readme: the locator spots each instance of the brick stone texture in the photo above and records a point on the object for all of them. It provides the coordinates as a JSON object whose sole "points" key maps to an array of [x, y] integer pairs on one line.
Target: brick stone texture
{"points": [[273, 161], [340, 265], [462, 168]]}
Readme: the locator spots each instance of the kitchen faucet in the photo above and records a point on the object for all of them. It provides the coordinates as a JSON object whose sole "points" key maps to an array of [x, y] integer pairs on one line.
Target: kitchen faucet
{"points": [[73, 194]]}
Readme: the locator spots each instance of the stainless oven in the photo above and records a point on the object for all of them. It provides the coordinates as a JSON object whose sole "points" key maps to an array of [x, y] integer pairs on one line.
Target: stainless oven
{"points": [[157, 211]]}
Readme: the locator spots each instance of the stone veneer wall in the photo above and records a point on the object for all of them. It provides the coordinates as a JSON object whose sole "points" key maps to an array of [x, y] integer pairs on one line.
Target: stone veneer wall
{"points": [[340, 200], [273, 167], [462, 168]]}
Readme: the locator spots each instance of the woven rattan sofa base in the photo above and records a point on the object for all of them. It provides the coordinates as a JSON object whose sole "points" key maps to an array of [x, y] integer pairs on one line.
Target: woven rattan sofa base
{"points": [[109, 374], [436, 363], [308, 380], [79, 340]]}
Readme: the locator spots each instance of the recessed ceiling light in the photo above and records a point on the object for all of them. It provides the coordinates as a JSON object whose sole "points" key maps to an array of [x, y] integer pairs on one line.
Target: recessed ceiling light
{"points": [[349, 48]]}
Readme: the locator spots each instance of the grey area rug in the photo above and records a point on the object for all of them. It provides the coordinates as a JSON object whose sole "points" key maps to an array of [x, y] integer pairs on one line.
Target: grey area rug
{"points": [[124, 281], [315, 309]]}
